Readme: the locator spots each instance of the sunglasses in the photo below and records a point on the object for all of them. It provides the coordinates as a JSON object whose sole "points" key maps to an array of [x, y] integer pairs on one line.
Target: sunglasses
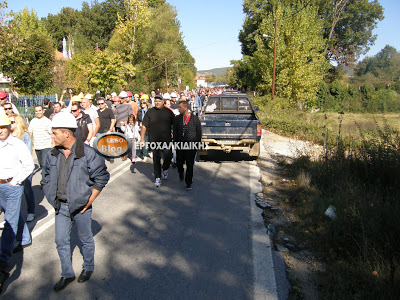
{"points": [[74, 110], [8, 108], [100, 103]]}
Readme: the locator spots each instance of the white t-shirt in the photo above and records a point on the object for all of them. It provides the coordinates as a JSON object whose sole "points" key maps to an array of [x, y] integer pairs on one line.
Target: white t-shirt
{"points": [[41, 133]]}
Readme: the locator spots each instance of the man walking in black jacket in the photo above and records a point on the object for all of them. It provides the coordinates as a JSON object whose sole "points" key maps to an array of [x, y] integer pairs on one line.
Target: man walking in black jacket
{"points": [[187, 131]]}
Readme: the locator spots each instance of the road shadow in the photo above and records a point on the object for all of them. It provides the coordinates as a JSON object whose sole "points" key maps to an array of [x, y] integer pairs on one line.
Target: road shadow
{"points": [[167, 242]]}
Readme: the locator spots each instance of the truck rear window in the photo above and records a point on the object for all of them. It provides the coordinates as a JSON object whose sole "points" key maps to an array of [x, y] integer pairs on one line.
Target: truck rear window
{"points": [[226, 104]]}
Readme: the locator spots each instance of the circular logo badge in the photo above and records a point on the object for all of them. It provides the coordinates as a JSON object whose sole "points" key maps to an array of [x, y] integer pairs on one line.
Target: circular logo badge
{"points": [[112, 145]]}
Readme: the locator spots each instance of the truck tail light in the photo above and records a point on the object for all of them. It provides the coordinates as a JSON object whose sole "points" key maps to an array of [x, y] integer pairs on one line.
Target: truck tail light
{"points": [[259, 130]]}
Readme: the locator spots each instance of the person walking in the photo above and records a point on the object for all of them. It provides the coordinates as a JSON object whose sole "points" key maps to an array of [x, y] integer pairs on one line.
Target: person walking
{"points": [[91, 110], [144, 107], [122, 111], [69, 164], [19, 129], [158, 122], [131, 130], [106, 117], [84, 131], [187, 129], [40, 130], [16, 164]]}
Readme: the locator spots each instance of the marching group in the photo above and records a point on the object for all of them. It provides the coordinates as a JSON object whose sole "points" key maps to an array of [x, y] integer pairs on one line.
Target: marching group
{"points": [[62, 136]]}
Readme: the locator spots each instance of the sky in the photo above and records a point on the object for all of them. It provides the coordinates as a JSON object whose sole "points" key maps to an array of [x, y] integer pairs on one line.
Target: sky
{"points": [[210, 28]]}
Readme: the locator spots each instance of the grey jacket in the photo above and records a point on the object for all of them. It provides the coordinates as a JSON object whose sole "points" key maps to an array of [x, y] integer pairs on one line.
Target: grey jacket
{"points": [[87, 171]]}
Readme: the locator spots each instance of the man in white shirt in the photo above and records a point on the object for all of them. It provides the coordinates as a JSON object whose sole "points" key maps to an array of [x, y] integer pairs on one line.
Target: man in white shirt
{"points": [[91, 110], [16, 164], [40, 129]]}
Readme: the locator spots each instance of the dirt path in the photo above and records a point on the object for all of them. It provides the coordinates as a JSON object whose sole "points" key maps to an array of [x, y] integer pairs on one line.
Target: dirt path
{"points": [[301, 266]]}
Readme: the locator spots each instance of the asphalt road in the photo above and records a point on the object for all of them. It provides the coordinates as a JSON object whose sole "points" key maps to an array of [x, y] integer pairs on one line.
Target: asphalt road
{"points": [[152, 243]]}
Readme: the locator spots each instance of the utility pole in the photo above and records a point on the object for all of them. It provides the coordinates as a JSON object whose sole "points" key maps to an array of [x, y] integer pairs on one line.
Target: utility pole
{"points": [[166, 80], [177, 75], [274, 65]]}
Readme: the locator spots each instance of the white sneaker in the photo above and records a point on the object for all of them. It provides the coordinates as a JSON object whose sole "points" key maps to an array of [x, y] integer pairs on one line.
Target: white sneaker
{"points": [[2, 224], [30, 217], [151, 154], [158, 182], [165, 174], [144, 159]]}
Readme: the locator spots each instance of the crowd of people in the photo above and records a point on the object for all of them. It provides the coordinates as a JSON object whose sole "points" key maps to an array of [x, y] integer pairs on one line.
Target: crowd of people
{"points": [[62, 133]]}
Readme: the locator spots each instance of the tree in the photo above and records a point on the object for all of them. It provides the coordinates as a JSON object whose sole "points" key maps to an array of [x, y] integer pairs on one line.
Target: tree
{"points": [[380, 69], [99, 70], [300, 63], [138, 14], [62, 25], [92, 26], [155, 42], [27, 53], [347, 24]]}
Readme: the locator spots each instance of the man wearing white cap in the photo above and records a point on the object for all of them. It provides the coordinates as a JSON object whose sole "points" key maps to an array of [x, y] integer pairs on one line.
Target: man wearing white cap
{"points": [[16, 164], [74, 176], [122, 110]]}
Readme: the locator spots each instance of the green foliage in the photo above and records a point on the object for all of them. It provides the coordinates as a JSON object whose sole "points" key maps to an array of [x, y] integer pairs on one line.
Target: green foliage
{"points": [[62, 25], [26, 53], [92, 25], [347, 25], [155, 42], [99, 70], [300, 64]]}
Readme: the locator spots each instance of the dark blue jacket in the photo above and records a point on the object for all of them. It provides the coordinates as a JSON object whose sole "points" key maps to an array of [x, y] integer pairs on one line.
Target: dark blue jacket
{"points": [[87, 171]]}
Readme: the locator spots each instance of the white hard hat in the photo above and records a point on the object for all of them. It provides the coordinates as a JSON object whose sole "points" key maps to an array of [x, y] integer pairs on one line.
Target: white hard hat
{"points": [[114, 94], [63, 120], [167, 96], [123, 94], [89, 96], [4, 120], [173, 95]]}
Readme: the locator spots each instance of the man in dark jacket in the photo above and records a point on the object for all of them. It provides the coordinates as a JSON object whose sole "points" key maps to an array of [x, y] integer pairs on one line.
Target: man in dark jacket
{"points": [[187, 129], [158, 122], [84, 131], [74, 176]]}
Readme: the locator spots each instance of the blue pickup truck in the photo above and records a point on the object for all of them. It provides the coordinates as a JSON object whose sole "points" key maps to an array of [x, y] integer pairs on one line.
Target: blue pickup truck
{"points": [[229, 122]]}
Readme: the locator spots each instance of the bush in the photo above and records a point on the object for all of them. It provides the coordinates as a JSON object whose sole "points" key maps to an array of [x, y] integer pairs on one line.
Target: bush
{"points": [[361, 244]]}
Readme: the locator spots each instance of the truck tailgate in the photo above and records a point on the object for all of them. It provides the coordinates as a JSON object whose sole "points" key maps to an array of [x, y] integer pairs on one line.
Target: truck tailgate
{"points": [[232, 129]]}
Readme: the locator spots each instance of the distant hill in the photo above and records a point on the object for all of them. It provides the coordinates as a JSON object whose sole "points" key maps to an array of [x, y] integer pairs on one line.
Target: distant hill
{"points": [[216, 71]]}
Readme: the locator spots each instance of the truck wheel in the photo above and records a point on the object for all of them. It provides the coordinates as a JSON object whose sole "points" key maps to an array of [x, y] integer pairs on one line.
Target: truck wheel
{"points": [[203, 155], [255, 151]]}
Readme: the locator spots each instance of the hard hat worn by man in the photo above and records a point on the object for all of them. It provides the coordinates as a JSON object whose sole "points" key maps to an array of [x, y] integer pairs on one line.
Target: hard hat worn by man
{"points": [[74, 176], [16, 164]]}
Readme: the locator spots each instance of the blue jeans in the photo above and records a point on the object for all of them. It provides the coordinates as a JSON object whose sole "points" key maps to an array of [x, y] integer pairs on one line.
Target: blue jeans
{"points": [[10, 201], [41, 157], [29, 196], [63, 226]]}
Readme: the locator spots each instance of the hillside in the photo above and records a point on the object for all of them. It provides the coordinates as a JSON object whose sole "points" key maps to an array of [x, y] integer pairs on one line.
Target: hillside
{"points": [[216, 71]]}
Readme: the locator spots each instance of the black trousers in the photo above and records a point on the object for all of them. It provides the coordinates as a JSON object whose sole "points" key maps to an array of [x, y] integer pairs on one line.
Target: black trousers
{"points": [[188, 157], [157, 155]]}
